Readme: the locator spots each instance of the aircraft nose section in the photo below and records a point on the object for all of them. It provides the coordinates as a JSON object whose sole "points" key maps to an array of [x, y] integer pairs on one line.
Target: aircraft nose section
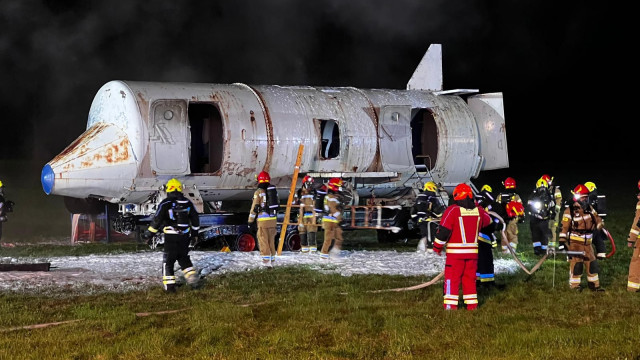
{"points": [[47, 178]]}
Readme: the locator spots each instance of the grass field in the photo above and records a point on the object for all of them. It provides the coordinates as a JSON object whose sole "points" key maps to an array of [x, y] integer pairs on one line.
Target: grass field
{"points": [[297, 313]]}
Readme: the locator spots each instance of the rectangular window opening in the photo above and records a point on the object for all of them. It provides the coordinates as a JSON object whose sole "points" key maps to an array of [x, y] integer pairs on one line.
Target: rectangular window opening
{"points": [[330, 139]]}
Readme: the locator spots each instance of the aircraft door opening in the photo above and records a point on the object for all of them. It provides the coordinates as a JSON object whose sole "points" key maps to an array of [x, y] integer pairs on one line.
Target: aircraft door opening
{"points": [[424, 134], [207, 142]]}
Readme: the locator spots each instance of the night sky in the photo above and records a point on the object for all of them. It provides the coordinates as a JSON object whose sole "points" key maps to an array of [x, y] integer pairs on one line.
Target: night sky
{"points": [[561, 66]]}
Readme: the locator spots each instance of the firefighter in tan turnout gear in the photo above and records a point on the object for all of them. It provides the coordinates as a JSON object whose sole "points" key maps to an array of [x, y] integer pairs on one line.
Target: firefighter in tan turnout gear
{"points": [[633, 284], [555, 220], [579, 221], [332, 218], [264, 207], [507, 196], [307, 228]]}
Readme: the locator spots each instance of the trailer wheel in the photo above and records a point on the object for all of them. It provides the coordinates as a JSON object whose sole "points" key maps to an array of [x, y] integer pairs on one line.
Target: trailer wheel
{"points": [[292, 241], [245, 242]]}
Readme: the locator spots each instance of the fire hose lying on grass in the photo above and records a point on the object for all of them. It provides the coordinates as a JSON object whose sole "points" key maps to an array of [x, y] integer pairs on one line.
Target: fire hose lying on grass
{"points": [[513, 254]]}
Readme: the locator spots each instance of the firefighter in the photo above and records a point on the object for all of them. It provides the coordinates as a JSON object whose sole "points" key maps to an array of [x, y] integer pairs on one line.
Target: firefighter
{"points": [[579, 221], [556, 193], [515, 212], [633, 283], [426, 211], [332, 218], [508, 195], [264, 207], [541, 206], [178, 220], [459, 229], [307, 228], [6, 206], [485, 275], [599, 204]]}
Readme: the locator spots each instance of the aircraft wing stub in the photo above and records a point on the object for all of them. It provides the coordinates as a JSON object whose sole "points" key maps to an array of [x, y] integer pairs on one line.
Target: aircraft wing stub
{"points": [[457, 92]]}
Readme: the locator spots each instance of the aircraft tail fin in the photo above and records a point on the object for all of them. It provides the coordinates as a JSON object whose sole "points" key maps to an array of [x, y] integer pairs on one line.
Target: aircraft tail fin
{"points": [[428, 74]]}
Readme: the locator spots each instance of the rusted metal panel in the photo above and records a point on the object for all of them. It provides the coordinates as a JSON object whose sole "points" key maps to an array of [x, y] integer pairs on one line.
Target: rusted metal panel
{"points": [[100, 161]]}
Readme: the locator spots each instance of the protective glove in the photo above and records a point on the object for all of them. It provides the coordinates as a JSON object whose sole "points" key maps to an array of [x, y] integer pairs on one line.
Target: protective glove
{"points": [[148, 237], [551, 250], [411, 224], [253, 226], [437, 250], [631, 239], [562, 246], [630, 243]]}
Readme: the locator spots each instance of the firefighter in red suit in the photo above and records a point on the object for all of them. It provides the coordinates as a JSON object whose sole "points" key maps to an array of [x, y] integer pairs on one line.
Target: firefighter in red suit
{"points": [[459, 229]]}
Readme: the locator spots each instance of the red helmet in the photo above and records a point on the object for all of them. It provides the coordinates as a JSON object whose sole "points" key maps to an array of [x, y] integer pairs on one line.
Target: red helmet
{"points": [[509, 183], [307, 179], [579, 191], [335, 184], [515, 208], [638, 184], [462, 191], [264, 177], [547, 178]]}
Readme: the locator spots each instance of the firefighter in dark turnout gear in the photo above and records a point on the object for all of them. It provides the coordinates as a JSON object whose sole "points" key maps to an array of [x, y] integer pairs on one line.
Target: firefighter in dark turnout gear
{"points": [[4, 208], [508, 195], [541, 206], [177, 218], [578, 224], [599, 204], [426, 212], [332, 218], [264, 207], [307, 228], [485, 275]]}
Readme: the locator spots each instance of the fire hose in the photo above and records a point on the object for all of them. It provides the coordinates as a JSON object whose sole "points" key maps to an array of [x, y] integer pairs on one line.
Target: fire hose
{"points": [[539, 263], [613, 244]]}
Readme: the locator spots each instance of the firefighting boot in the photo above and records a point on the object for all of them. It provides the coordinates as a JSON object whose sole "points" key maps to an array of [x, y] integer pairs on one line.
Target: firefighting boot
{"points": [[537, 250], [313, 245], [303, 243], [422, 244], [192, 277], [429, 245], [592, 287], [169, 283]]}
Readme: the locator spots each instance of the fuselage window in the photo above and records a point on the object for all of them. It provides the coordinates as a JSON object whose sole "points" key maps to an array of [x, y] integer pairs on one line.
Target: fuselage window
{"points": [[330, 139]]}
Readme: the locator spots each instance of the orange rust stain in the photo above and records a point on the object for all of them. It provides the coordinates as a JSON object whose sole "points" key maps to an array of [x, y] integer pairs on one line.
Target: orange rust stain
{"points": [[113, 154], [79, 145]]}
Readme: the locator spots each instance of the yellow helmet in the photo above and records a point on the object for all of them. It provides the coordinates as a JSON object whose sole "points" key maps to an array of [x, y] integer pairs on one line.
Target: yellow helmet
{"points": [[1, 184], [430, 186], [591, 186], [542, 183], [173, 185], [486, 187]]}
